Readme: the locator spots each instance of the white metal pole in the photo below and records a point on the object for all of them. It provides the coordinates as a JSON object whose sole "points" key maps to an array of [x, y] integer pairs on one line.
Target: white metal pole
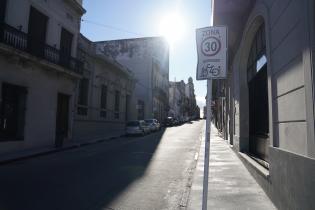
{"points": [[207, 146]]}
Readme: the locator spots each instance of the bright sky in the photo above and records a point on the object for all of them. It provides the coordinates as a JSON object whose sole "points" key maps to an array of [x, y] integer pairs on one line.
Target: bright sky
{"points": [[122, 19]]}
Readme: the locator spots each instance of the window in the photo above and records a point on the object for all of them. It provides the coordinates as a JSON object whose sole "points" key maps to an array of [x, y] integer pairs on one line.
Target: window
{"points": [[12, 112], [117, 104], [127, 109], [37, 28], [83, 97], [65, 47], [3, 5], [257, 57], [103, 112]]}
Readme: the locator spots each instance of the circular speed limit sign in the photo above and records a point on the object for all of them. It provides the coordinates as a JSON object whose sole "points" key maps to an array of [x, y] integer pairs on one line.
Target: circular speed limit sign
{"points": [[210, 46]]}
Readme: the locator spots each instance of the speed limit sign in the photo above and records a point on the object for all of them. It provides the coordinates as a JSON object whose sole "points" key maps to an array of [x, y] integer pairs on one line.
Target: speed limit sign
{"points": [[212, 52]]}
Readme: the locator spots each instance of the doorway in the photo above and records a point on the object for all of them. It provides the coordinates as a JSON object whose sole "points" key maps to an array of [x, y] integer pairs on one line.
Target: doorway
{"points": [[258, 97], [12, 112], [258, 115], [62, 119]]}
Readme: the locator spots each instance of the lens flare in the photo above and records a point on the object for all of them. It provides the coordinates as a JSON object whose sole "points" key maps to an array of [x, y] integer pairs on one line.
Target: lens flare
{"points": [[172, 27]]}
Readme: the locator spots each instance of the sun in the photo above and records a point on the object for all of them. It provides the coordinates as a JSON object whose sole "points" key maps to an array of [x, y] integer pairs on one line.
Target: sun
{"points": [[172, 27]]}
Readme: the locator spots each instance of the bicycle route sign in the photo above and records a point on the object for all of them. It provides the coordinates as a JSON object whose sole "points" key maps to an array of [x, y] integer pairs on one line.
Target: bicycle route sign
{"points": [[212, 52]]}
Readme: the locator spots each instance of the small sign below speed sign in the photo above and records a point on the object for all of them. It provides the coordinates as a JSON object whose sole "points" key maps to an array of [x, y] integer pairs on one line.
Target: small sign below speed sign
{"points": [[212, 52]]}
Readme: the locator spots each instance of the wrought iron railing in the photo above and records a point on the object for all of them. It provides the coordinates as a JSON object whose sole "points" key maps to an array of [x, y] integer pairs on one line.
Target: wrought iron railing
{"points": [[22, 41]]}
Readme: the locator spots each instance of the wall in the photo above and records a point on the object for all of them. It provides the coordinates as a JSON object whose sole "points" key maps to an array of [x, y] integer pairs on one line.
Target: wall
{"points": [[288, 30], [42, 85]]}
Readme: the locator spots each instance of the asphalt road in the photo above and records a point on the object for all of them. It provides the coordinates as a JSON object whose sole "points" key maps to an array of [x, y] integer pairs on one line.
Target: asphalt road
{"points": [[150, 172]]}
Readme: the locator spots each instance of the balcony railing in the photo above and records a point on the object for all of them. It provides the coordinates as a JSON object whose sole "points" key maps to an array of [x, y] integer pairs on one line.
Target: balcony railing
{"points": [[22, 41]]}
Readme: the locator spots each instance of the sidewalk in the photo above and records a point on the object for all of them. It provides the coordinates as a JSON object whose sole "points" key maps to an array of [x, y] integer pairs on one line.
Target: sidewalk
{"points": [[230, 184]]}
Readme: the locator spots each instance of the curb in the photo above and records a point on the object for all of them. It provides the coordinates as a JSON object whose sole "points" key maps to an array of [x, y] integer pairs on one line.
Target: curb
{"points": [[191, 181]]}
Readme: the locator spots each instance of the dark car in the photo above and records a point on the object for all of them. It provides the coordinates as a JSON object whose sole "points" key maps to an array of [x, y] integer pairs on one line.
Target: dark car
{"points": [[169, 121]]}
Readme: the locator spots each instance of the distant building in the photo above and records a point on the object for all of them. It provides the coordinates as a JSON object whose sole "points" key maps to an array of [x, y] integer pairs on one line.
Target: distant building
{"points": [[39, 72], [182, 100], [174, 101], [103, 95], [192, 104], [148, 59], [265, 107]]}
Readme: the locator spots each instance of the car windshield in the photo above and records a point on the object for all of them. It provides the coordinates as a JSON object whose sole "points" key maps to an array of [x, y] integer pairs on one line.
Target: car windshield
{"points": [[133, 123], [149, 121]]}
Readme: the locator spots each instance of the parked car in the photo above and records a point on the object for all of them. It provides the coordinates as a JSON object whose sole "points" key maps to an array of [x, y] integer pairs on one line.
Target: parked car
{"points": [[169, 121], [153, 124], [176, 121], [137, 127]]}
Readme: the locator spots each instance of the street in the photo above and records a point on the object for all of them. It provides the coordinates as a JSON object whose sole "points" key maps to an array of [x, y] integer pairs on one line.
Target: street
{"points": [[150, 172]]}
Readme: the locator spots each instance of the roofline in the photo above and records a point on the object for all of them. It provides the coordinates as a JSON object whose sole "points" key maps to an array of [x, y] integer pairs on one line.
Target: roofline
{"points": [[129, 39], [123, 69], [84, 37]]}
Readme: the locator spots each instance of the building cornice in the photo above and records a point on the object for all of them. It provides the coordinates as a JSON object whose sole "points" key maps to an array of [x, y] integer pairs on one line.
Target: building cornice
{"points": [[78, 7]]}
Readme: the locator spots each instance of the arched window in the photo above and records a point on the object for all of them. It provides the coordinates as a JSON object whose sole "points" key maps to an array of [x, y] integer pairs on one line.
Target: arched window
{"points": [[257, 56]]}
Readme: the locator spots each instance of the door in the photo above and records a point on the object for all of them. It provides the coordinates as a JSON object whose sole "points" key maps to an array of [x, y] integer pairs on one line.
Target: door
{"points": [[62, 119], [37, 27], [12, 112], [65, 47], [258, 115]]}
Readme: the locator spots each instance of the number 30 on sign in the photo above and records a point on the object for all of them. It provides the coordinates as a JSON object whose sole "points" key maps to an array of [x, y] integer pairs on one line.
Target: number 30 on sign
{"points": [[210, 46]]}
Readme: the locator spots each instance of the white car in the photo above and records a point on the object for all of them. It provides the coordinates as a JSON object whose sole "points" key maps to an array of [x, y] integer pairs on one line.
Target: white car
{"points": [[153, 124], [137, 127]]}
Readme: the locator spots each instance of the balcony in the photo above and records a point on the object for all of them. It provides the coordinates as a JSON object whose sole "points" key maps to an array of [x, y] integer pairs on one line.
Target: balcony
{"points": [[22, 41]]}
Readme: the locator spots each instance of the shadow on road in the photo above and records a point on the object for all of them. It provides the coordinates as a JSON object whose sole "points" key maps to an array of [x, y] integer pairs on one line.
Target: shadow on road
{"points": [[90, 177]]}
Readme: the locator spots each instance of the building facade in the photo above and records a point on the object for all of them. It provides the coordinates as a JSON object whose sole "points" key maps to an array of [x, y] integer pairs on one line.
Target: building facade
{"points": [[148, 59], [265, 107], [39, 72], [103, 95]]}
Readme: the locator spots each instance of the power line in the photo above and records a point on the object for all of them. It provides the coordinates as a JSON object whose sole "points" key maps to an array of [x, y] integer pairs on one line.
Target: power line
{"points": [[110, 27]]}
